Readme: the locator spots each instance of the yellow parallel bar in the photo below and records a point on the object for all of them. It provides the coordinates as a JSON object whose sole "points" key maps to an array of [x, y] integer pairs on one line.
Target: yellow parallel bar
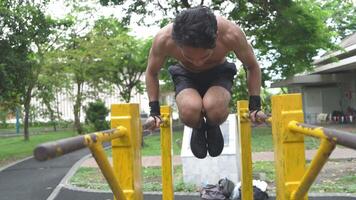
{"points": [[289, 151], [166, 153], [105, 167], [244, 132], [105, 136], [321, 157], [126, 151], [316, 132]]}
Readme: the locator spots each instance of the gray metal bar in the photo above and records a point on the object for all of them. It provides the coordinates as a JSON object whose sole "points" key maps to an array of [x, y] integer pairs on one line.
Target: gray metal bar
{"points": [[57, 148], [343, 138]]}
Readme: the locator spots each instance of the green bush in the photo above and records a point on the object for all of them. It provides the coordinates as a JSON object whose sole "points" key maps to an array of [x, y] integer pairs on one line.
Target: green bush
{"points": [[96, 113]]}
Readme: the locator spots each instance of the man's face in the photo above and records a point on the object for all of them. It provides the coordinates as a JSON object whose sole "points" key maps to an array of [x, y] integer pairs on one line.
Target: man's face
{"points": [[196, 56]]}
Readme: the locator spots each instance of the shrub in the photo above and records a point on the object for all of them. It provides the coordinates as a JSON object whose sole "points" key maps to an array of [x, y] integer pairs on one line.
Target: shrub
{"points": [[96, 113]]}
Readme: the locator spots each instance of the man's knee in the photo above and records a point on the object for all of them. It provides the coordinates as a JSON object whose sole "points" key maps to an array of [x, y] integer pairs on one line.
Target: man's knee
{"points": [[191, 113], [216, 111]]}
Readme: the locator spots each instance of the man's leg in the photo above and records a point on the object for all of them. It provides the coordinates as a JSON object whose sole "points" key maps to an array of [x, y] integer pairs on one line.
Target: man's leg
{"points": [[216, 106], [190, 105]]}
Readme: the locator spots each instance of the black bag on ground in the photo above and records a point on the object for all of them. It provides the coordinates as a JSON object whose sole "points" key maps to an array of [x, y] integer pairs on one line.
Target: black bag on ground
{"points": [[226, 186], [211, 192]]}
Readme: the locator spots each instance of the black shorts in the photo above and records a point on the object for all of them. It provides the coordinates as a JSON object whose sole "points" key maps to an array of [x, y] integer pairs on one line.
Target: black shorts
{"points": [[220, 75]]}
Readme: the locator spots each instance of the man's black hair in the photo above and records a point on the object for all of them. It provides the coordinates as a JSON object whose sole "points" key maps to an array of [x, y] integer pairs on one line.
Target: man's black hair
{"points": [[195, 27]]}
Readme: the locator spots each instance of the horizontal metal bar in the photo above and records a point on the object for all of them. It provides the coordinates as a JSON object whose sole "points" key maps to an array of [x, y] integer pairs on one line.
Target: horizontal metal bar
{"points": [[57, 148], [339, 137]]}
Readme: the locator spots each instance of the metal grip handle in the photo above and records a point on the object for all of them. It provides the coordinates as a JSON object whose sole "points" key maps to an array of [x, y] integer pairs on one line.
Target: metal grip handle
{"points": [[57, 148]]}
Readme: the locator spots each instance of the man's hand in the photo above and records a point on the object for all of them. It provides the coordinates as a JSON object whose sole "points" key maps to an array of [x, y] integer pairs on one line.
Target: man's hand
{"points": [[152, 123], [258, 116]]}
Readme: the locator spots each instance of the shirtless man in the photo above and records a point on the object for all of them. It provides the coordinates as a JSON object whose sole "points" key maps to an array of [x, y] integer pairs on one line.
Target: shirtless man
{"points": [[203, 78]]}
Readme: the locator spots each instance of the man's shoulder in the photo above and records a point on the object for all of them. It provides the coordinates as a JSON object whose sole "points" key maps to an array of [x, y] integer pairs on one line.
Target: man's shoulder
{"points": [[163, 39], [165, 33], [229, 32], [227, 27]]}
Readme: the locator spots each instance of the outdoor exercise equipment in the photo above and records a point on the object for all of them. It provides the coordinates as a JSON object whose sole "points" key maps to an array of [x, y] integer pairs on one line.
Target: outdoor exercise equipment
{"points": [[293, 177]]}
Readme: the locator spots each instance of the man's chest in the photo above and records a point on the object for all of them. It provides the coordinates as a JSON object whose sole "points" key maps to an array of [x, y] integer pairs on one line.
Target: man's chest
{"points": [[216, 58]]}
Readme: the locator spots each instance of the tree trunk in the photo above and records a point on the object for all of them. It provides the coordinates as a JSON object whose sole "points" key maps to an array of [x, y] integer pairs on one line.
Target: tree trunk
{"points": [[27, 105], [77, 106], [51, 114]]}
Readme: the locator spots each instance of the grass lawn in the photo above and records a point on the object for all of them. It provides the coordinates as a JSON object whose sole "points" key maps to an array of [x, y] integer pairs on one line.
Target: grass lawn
{"points": [[341, 181], [14, 148], [262, 140], [152, 144], [91, 178], [336, 176]]}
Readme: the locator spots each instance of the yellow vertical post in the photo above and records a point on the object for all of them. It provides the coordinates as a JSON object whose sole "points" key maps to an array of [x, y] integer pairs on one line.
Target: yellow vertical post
{"points": [[289, 154], [244, 126], [166, 153], [126, 151]]}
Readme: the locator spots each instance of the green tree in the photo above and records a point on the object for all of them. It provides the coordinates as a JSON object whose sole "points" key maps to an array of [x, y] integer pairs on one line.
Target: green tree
{"points": [[239, 89], [27, 34], [123, 56], [52, 81], [286, 34]]}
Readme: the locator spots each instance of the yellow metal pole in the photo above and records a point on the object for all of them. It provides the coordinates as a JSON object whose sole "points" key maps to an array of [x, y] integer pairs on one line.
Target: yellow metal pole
{"points": [[105, 167], [166, 153], [244, 132], [126, 151], [289, 151], [321, 157]]}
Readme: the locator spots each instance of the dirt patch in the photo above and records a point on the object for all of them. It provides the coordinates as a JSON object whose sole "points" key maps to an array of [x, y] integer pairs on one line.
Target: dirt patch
{"points": [[333, 170]]}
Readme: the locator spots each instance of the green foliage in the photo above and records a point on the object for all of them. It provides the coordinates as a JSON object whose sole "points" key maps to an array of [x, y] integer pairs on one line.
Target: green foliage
{"points": [[286, 34], [123, 56], [239, 89], [96, 112], [26, 34]]}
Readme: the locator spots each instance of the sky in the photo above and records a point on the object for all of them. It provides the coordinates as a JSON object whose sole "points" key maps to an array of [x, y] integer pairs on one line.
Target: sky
{"points": [[58, 9]]}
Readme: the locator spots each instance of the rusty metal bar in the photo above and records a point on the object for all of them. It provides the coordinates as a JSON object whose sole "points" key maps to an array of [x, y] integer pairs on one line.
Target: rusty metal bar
{"points": [[57, 148]]}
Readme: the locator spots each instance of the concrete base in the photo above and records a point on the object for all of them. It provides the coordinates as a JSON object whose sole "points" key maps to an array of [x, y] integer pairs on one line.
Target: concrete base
{"points": [[212, 169]]}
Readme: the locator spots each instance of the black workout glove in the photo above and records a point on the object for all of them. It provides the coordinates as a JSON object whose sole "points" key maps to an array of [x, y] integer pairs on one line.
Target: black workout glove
{"points": [[254, 103], [154, 108]]}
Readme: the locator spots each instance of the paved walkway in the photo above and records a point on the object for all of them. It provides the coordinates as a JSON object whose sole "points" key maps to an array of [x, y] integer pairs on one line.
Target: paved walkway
{"points": [[155, 161]]}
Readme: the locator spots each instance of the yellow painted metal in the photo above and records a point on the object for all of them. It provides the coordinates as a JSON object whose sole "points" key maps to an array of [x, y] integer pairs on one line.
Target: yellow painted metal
{"points": [[244, 126], [126, 151], [289, 147], [105, 136], [166, 152], [108, 172], [321, 157], [94, 142], [314, 132]]}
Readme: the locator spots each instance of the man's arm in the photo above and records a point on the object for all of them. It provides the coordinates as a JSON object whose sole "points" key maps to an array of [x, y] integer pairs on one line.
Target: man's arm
{"points": [[156, 59], [245, 54]]}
